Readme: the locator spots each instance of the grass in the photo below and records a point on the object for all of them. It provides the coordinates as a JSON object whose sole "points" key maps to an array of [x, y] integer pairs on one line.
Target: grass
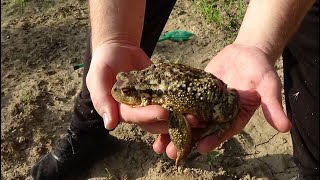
{"points": [[212, 156], [109, 175], [21, 3], [209, 11], [24, 7], [227, 15], [14, 6]]}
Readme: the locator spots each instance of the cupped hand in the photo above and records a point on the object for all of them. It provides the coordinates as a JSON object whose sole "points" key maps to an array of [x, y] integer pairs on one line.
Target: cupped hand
{"points": [[249, 70], [107, 61]]}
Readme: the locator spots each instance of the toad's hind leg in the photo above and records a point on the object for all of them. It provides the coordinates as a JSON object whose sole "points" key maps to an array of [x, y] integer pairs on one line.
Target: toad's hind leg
{"points": [[180, 134]]}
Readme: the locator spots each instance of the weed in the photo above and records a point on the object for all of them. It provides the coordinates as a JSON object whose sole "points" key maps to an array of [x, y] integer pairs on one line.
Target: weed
{"points": [[212, 156], [109, 175], [208, 9], [20, 2], [227, 15], [14, 6], [240, 9], [178, 60]]}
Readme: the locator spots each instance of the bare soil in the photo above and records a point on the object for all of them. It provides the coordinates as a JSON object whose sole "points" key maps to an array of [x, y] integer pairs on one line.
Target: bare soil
{"points": [[40, 43]]}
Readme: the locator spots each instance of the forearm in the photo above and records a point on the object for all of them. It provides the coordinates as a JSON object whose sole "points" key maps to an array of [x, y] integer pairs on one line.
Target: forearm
{"points": [[268, 24], [116, 21]]}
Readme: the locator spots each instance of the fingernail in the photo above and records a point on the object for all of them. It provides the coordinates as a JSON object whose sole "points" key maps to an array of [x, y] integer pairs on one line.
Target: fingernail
{"points": [[105, 120]]}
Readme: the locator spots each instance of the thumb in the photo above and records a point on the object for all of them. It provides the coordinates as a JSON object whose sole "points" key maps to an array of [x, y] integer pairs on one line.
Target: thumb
{"points": [[271, 103], [108, 110], [99, 82]]}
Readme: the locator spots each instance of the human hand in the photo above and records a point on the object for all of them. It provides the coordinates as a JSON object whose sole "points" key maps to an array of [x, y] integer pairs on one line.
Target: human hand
{"points": [[107, 61], [249, 70]]}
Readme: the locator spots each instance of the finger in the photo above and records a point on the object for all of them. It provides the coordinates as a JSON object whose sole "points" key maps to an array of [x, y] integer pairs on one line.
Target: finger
{"points": [[211, 142], [110, 115], [208, 143], [271, 104], [108, 107], [171, 151], [153, 113], [159, 146], [194, 122], [142, 115], [155, 127], [274, 114]]}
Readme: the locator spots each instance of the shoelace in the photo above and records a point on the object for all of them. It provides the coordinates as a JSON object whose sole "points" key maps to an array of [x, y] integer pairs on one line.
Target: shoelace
{"points": [[62, 149], [72, 136]]}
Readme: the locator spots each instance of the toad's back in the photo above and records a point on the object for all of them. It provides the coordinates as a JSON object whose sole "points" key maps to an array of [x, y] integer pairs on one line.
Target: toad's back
{"points": [[181, 89]]}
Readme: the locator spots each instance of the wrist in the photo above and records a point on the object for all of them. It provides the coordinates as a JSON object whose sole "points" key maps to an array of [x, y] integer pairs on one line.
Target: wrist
{"points": [[119, 39], [259, 52], [119, 56], [271, 52], [269, 24]]}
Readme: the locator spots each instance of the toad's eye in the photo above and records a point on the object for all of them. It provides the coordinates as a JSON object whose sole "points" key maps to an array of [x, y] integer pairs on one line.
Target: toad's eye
{"points": [[125, 90]]}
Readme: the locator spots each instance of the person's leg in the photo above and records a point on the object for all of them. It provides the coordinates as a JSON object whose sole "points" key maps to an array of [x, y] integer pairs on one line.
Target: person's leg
{"points": [[86, 134], [301, 84], [157, 14]]}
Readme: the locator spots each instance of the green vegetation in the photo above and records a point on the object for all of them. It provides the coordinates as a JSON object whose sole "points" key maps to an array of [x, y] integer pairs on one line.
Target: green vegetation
{"points": [[25, 95], [226, 14], [25, 7], [11, 7], [212, 156], [20, 2], [109, 175]]}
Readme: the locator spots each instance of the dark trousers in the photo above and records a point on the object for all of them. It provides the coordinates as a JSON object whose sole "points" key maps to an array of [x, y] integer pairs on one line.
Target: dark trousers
{"points": [[302, 107], [301, 84]]}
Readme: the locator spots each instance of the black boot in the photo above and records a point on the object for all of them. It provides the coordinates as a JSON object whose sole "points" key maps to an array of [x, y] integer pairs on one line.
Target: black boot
{"points": [[73, 153]]}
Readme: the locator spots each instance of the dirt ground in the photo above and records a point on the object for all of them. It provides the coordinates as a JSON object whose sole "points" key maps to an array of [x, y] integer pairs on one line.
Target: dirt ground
{"points": [[40, 43]]}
